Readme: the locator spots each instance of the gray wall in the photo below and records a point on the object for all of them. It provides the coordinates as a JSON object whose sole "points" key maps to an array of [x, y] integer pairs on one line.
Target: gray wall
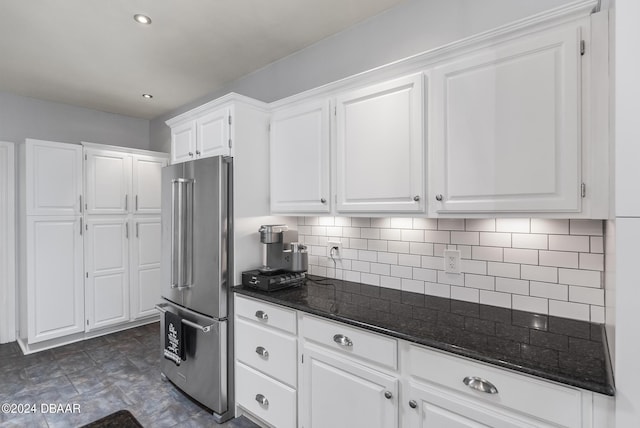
{"points": [[408, 29], [24, 117]]}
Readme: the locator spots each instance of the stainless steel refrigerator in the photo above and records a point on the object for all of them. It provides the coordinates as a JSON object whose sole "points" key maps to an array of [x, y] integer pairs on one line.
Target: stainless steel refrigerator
{"points": [[196, 248]]}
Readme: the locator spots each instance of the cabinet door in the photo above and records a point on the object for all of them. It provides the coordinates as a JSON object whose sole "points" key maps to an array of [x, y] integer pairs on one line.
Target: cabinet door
{"points": [[183, 142], [107, 265], [7, 243], [430, 407], [53, 178], [146, 184], [145, 266], [380, 156], [108, 181], [339, 393], [54, 277], [299, 149], [213, 133], [505, 128]]}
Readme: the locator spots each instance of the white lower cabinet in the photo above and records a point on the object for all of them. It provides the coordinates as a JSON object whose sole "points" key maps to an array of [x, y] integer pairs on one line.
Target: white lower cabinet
{"points": [[350, 377], [145, 266]]}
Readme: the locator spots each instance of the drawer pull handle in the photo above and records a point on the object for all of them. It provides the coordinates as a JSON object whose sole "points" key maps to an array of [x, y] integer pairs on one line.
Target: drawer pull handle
{"points": [[262, 400], [261, 315], [342, 340], [262, 352], [388, 395], [480, 384], [413, 404]]}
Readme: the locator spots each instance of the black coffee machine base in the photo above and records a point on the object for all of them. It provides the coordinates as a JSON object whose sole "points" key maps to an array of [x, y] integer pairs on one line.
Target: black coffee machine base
{"points": [[272, 280]]}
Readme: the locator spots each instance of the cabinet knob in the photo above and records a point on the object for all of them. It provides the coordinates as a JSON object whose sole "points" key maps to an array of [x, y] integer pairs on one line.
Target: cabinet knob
{"points": [[262, 400], [413, 404], [261, 315], [416, 198], [198, 152], [190, 153], [323, 200], [388, 395], [342, 340], [480, 384], [262, 352], [438, 198]]}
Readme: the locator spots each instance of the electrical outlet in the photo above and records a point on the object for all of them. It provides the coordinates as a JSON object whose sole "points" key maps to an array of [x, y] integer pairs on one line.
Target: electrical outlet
{"points": [[452, 261], [334, 250]]}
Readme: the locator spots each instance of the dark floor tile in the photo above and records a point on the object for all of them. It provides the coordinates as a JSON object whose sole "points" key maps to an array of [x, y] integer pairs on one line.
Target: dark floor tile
{"points": [[10, 349], [75, 362]]}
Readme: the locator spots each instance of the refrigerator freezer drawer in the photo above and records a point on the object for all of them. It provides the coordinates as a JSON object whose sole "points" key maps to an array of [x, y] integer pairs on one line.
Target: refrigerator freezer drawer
{"points": [[203, 373]]}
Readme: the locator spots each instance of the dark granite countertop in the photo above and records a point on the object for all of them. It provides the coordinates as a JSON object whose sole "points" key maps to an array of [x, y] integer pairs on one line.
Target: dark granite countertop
{"points": [[559, 349]]}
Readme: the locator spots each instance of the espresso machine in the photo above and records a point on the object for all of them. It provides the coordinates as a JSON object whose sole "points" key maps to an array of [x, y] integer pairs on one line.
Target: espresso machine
{"points": [[284, 260]]}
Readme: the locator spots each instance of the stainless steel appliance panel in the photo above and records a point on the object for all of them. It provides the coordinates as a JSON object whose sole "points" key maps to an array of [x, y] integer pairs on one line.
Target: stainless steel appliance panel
{"points": [[203, 374], [195, 235]]}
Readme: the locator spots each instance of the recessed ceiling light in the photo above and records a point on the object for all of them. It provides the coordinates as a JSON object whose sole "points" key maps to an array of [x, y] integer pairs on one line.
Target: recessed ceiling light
{"points": [[142, 19], [147, 96]]}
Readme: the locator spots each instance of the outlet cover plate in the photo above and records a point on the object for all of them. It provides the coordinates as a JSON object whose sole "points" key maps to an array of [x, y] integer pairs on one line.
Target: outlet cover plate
{"points": [[452, 261], [337, 254]]}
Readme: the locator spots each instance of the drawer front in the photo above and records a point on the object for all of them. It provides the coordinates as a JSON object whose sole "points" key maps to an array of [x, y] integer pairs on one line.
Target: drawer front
{"points": [[545, 400], [352, 341], [266, 314], [267, 350], [271, 401]]}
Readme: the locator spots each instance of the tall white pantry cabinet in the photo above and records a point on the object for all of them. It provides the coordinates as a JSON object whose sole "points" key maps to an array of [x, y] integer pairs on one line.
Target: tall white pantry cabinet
{"points": [[89, 222]]}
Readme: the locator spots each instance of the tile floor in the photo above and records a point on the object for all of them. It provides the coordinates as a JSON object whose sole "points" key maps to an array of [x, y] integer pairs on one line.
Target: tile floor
{"points": [[101, 375]]}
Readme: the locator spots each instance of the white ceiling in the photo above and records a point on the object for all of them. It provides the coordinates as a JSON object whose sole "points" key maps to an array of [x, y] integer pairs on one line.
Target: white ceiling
{"points": [[91, 53]]}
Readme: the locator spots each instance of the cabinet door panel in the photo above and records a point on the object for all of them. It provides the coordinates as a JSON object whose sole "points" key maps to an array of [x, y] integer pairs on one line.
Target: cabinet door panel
{"points": [[380, 157], [213, 133], [145, 267], [53, 178], [146, 184], [354, 394], [55, 295], [505, 127], [183, 142], [300, 159], [107, 264], [108, 180]]}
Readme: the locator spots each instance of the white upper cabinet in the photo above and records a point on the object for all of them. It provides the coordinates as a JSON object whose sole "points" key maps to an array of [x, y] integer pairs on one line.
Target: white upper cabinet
{"points": [[53, 178], [379, 148], [505, 127], [183, 142], [108, 177], [146, 184], [121, 182], [299, 148], [213, 133]]}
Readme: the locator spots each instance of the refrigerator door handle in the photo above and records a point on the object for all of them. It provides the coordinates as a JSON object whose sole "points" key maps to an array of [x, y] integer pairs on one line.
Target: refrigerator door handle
{"points": [[182, 233], [204, 328]]}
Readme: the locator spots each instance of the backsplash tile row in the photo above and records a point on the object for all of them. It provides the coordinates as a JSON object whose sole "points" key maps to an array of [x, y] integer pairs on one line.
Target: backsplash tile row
{"points": [[553, 267]]}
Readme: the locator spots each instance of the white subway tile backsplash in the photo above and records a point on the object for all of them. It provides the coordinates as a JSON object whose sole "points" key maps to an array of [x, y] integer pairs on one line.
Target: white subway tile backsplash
{"points": [[568, 243], [558, 259], [514, 225], [492, 254], [530, 304], [513, 286], [481, 225], [541, 265], [585, 227], [495, 239], [539, 273], [465, 238], [518, 255], [506, 270], [532, 241], [585, 278], [548, 290], [465, 294], [450, 224], [549, 226]]}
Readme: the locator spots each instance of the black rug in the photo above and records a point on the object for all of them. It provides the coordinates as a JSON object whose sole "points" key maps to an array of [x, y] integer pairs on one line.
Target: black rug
{"points": [[119, 419]]}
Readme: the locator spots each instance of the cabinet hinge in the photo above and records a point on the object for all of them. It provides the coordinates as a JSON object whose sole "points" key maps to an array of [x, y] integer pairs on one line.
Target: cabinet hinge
{"points": [[229, 142], [582, 47], [583, 190], [229, 119]]}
